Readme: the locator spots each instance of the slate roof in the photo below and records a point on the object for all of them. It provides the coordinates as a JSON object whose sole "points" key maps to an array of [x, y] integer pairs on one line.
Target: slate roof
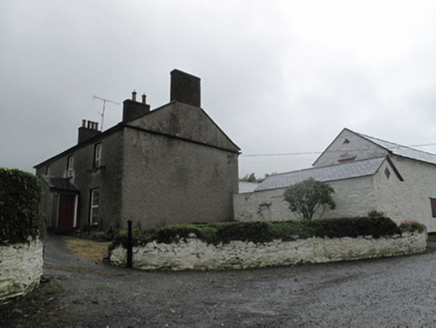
{"points": [[402, 150], [60, 183], [247, 186], [326, 173]]}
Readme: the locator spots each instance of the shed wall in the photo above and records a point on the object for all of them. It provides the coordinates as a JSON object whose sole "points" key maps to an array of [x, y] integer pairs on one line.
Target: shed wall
{"points": [[353, 197], [409, 199], [348, 145]]}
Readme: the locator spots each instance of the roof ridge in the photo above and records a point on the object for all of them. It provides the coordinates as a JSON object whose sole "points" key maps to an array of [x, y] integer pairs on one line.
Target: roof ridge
{"points": [[393, 143], [326, 166], [265, 185]]}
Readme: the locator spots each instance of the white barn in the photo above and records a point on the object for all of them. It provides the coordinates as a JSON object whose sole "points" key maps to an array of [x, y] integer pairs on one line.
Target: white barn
{"points": [[366, 173]]}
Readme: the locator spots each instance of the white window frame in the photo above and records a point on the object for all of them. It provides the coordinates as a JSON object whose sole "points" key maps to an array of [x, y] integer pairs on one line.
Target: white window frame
{"points": [[93, 206], [70, 166], [97, 155]]}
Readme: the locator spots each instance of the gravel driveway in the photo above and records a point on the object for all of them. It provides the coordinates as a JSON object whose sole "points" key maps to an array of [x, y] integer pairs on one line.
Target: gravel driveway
{"points": [[392, 292]]}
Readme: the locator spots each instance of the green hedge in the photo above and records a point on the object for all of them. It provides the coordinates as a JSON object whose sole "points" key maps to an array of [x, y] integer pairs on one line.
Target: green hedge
{"points": [[20, 218], [265, 231]]}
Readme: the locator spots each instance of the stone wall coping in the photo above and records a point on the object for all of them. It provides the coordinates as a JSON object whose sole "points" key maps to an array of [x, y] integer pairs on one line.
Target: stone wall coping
{"points": [[194, 254]]}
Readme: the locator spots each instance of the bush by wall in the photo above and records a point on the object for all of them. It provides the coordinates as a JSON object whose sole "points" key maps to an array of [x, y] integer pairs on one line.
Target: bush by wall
{"points": [[19, 207], [266, 231]]}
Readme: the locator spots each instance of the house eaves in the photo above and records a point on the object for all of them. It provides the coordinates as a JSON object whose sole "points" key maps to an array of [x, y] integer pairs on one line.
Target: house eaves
{"points": [[336, 172], [92, 140]]}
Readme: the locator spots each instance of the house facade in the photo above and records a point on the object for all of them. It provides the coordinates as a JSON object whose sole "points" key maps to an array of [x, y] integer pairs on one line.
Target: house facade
{"points": [[169, 165], [366, 173]]}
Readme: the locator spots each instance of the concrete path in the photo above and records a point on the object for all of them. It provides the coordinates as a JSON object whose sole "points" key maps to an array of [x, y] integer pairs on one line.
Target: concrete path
{"points": [[392, 292]]}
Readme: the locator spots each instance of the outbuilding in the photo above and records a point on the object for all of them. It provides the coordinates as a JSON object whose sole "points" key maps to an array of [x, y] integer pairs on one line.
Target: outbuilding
{"points": [[367, 174]]}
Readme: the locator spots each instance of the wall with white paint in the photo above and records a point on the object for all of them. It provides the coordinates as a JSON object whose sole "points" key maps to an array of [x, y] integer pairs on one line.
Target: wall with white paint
{"points": [[353, 197], [21, 268], [194, 254]]}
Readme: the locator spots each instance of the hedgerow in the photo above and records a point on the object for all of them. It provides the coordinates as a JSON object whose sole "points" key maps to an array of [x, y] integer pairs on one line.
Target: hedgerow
{"points": [[266, 231], [20, 217]]}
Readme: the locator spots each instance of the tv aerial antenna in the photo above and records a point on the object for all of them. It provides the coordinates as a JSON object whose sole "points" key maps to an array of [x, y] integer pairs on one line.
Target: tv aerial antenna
{"points": [[104, 107]]}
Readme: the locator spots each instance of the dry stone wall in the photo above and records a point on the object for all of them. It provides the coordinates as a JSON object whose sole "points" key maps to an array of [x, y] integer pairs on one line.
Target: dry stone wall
{"points": [[194, 254], [21, 268]]}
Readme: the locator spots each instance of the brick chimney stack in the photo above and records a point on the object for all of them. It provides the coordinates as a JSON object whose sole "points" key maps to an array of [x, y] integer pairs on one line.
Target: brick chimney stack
{"points": [[87, 131], [185, 88]]}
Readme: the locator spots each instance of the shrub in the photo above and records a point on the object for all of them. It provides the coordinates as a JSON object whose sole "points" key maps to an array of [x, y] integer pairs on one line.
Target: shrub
{"points": [[412, 226], [256, 232], [354, 227], [375, 213], [265, 231], [309, 196], [20, 218]]}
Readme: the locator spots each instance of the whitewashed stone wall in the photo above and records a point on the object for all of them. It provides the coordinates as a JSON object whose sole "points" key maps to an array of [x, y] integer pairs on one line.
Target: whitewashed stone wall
{"points": [[353, 197], [409, 199], [194, 254], [21, 268], [356, 147]]}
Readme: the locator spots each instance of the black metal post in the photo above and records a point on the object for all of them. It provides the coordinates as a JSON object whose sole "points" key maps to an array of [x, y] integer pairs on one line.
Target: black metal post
{"points": [[129, 263]]}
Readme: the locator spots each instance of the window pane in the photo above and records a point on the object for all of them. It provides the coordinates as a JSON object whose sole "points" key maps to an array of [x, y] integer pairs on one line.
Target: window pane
{"points": [[95, 197], [93, 211], [97, 155], [70, 166]]}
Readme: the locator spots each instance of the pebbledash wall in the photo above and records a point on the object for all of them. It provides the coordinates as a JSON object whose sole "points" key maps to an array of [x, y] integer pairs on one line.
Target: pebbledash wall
{"points": [[194, 254], [21, 268]]}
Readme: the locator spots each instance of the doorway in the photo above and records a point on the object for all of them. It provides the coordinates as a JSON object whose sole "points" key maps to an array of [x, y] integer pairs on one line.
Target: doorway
{"points": [[66, 213]]}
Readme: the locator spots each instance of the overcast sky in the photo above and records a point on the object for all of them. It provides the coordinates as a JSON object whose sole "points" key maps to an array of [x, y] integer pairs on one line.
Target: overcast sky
{"points": [[276, 76]]}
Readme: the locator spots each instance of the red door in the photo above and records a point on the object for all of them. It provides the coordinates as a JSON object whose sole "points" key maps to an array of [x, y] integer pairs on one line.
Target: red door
{"points": [[67, 208]]}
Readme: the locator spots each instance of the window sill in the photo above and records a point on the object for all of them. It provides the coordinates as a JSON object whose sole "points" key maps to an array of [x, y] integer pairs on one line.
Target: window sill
{"points": [[96, 168]]}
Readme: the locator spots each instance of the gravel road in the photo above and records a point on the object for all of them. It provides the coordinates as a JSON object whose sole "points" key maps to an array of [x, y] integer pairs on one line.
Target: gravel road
{"points": [[392, 292]]}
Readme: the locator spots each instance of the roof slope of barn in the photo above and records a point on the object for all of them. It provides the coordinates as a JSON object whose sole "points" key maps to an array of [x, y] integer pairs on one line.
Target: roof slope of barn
{"points": [[400, 150], [326, 173]]}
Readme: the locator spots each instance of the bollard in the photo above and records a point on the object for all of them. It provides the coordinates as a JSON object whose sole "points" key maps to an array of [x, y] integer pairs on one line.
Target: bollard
{"points": [[129, 263]]}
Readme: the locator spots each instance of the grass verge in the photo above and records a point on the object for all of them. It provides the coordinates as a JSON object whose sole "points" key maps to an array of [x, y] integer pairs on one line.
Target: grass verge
{"points": [[91, 250], [431, 238]]}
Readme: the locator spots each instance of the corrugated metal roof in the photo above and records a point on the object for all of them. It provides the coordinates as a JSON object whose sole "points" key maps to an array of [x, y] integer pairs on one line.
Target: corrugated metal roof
{"points": [[327, 173], [402, 150]]}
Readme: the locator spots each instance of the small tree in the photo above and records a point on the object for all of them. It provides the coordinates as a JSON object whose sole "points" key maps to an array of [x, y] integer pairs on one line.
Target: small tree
{"points": [[306, 197], [249, 178]]}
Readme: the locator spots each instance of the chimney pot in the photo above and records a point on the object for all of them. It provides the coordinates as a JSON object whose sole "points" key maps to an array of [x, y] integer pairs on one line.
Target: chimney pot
{"points": [[88, 130], [134, 95], [143, 98]]}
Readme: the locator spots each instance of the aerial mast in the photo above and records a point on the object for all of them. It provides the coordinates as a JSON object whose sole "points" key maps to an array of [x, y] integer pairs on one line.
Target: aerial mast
{"points": [[104, 107]]}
